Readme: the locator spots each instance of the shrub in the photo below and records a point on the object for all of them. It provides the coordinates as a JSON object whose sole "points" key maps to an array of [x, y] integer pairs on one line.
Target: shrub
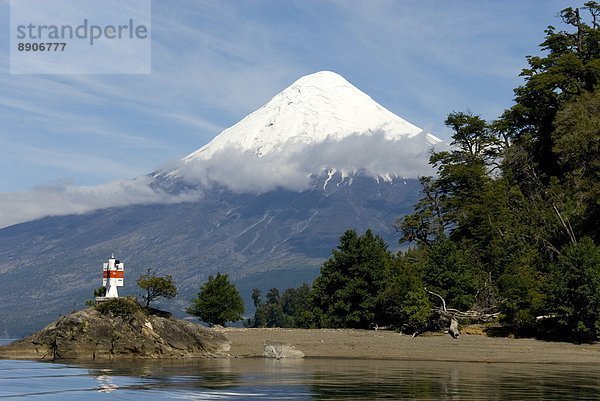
{"points": [[119, 307]]}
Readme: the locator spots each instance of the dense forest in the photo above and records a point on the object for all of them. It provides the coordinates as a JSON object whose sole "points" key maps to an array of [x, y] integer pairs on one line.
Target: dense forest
{"points": [[509, 226]]}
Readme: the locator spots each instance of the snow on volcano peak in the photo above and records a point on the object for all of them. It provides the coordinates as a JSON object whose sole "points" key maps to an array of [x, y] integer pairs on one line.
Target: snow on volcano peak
{"points": [[317, 107], [320, 123]]}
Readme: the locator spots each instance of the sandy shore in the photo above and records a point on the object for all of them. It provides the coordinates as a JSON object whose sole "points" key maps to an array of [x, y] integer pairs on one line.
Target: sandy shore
{"points": [[334, 343]]}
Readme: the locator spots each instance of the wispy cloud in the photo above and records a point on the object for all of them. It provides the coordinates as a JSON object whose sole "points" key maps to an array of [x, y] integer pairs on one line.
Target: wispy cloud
{"points": [[293, 166], [64, 199]]}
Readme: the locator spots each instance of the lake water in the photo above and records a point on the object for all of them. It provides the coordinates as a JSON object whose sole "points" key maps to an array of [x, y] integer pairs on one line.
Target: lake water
{"points": [[308, 379]]}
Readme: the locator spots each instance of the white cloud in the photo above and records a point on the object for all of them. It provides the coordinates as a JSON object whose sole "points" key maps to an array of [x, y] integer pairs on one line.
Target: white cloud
{"points": [[292, 166], [64, 199]]}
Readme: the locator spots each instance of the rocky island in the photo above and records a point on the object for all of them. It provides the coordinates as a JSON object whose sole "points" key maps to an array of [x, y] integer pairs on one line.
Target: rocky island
{"points": [[120, 330]]}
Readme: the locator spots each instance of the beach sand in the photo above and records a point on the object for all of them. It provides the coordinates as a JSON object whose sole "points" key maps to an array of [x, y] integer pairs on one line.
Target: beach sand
{"points": [[346, 343]]}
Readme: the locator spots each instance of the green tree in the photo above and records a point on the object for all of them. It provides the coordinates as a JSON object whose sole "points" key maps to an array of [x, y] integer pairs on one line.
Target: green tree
{"points": [[260, 313], [273, 310], [570, 67], [429, 221], [218, 301], [574, 292], [290, 309], [256, 297], [404, 302], [156, 287], [522, 294], [456, 219], [453, 271], [345, 293], [296, 307], [125, 307], [464, 174], [577, 145]]}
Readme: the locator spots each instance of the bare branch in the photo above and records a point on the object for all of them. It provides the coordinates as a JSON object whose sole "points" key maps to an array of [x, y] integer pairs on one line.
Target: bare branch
{"points": [[566, 226], [440, 297]]}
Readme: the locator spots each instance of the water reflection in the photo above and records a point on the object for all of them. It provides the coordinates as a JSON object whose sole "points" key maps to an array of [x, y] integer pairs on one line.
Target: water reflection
{"points": [[457, 381], [176, 374], [323, 379], [105, 384], [309, 379]]}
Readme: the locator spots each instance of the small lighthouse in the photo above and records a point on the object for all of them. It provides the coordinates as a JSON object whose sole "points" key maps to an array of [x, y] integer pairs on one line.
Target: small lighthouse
{"points": [[113, 272]]}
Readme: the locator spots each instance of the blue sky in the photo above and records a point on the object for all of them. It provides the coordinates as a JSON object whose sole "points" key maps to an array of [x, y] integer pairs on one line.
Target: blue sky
{"points": [[213, 62]]}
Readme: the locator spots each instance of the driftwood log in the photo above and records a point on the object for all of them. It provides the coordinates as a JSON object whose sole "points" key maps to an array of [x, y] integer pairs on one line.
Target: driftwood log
{"points": [[444, 313], [454, 315]]}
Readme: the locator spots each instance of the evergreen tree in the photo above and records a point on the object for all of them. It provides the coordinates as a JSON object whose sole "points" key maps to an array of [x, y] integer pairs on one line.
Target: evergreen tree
{"points": [[551, 169], [459, 208], [576, 141], [454, 272], [570, 68], [404, 302], [290, 309], [574, 292], [522, 293], [273, 310], [345, 294], [296, 307], [260, 314], [218, 301]]}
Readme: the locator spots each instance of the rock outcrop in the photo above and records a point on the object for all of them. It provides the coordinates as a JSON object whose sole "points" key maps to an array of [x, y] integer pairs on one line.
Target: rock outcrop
{"points": [[90, 334], [279, 350]]}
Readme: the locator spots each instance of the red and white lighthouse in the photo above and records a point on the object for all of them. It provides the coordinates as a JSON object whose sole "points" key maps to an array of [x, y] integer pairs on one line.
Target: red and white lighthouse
{"points": [[113, 273]]}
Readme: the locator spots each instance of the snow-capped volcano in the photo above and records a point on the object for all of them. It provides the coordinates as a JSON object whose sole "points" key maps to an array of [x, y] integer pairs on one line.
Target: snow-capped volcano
{"points": [[317, 107], [319, 125], [265, 202]]}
